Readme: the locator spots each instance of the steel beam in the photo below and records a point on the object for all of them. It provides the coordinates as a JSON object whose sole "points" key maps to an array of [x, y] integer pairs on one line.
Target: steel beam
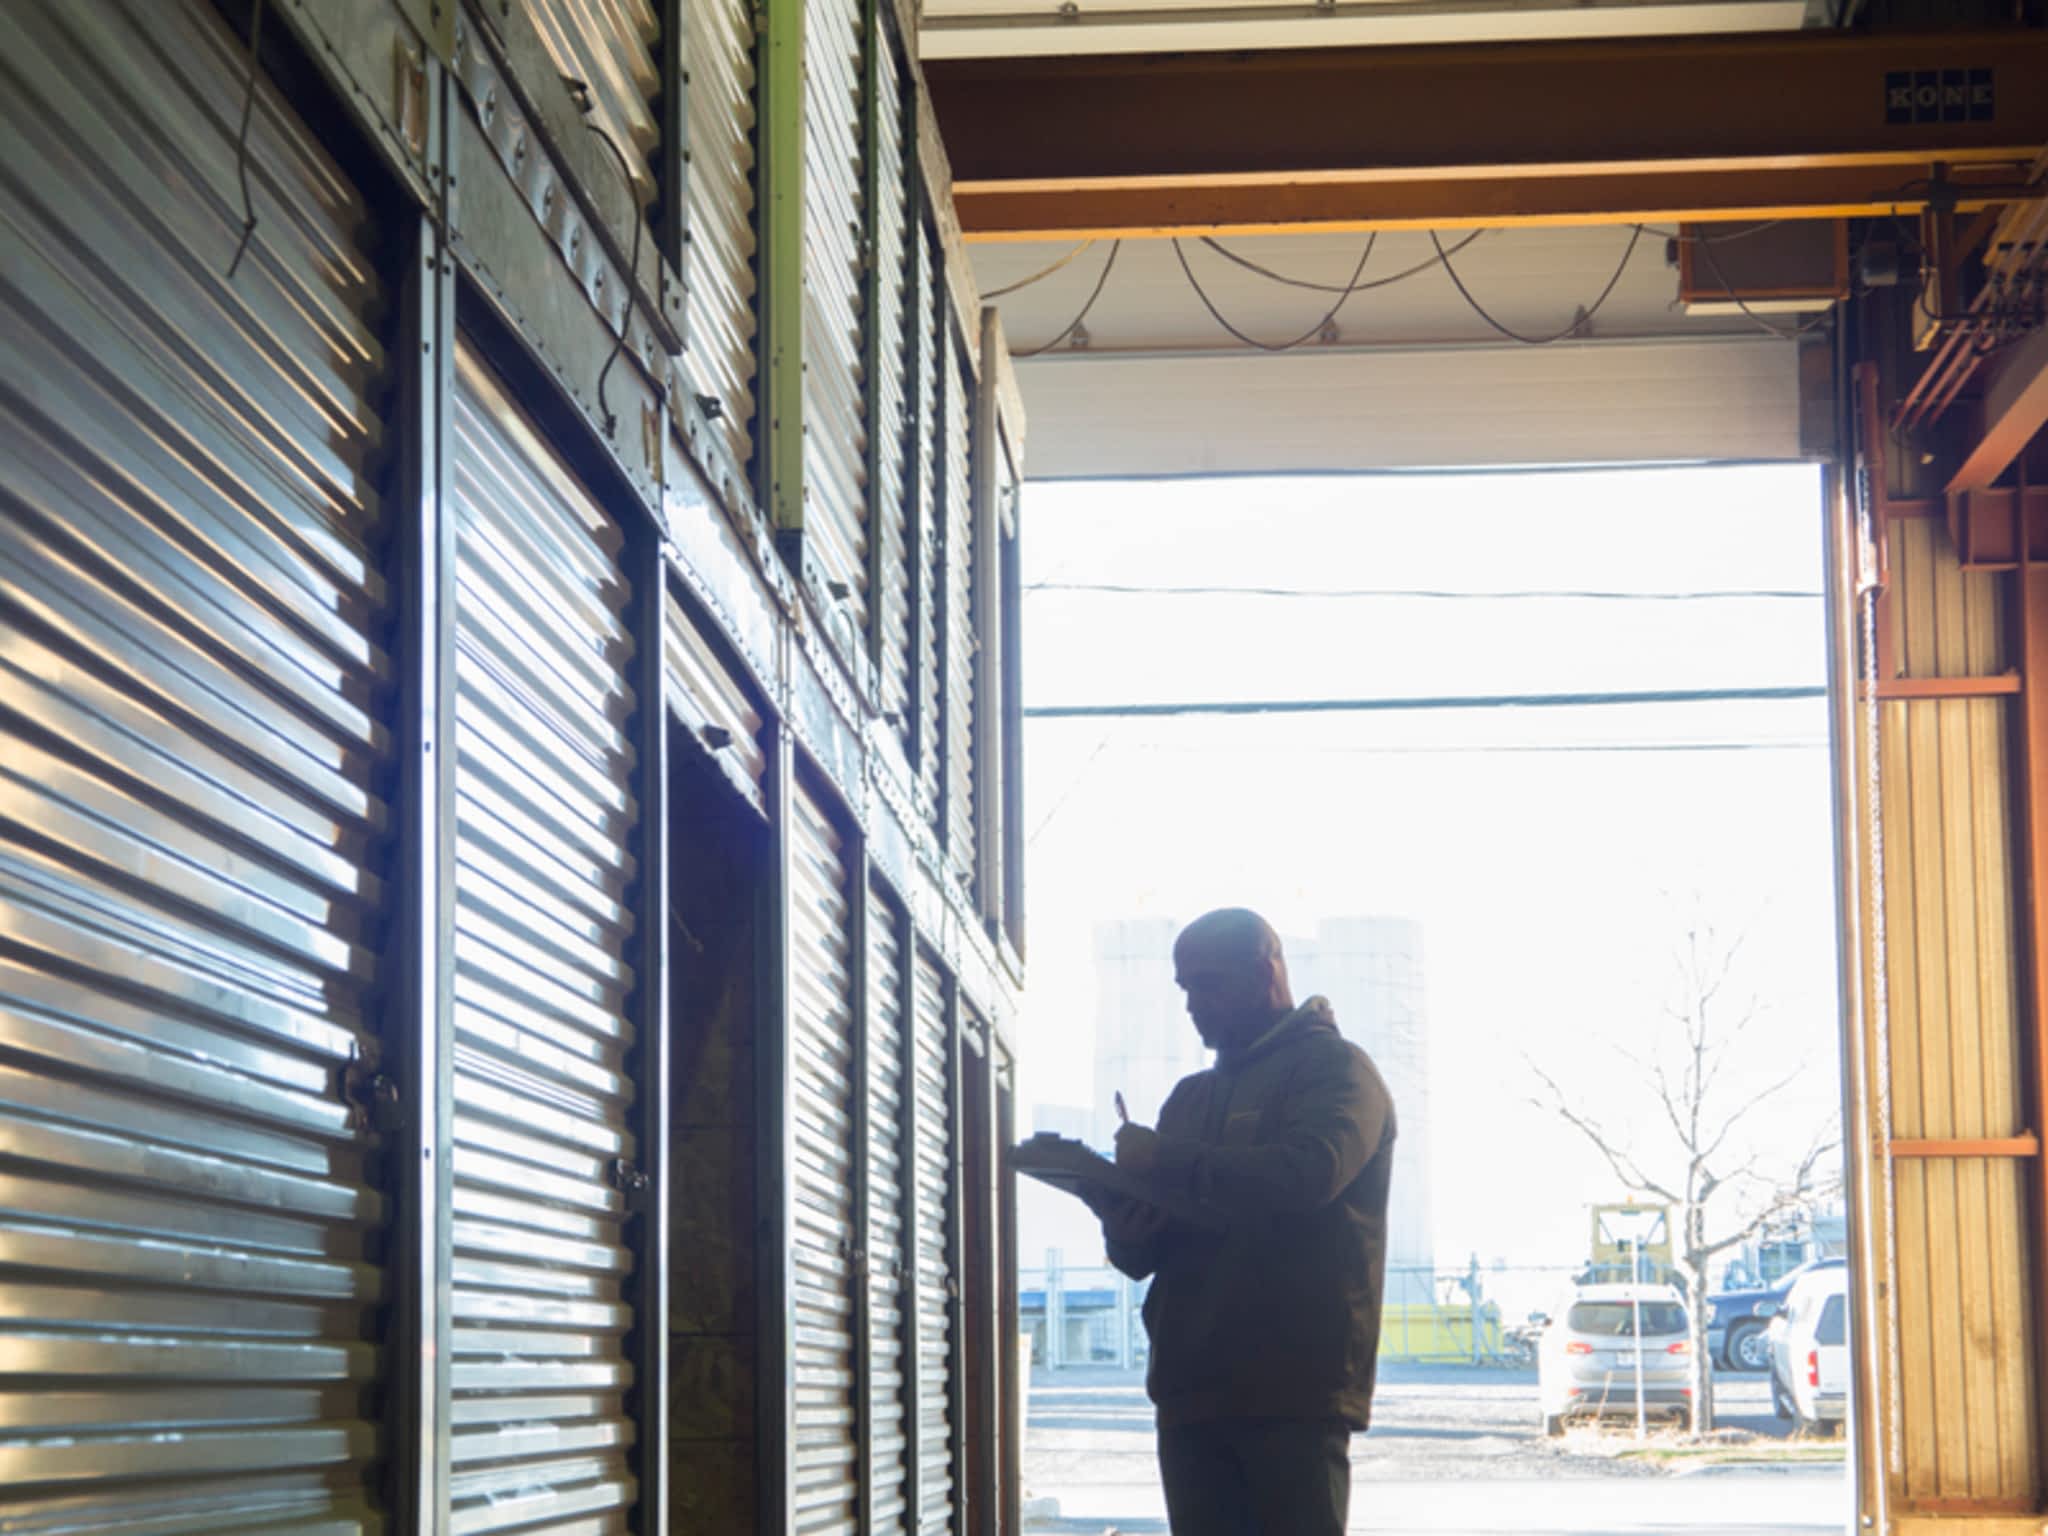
{"points": [[2015, 409], [1610, 131]]}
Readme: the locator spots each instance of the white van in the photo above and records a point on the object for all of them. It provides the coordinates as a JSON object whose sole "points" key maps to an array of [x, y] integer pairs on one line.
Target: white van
{"points": [[1810, 1351]]}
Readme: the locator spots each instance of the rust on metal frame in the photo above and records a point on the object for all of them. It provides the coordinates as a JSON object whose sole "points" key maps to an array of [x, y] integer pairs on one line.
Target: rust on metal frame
{"points": [[1445, 135], [1989, 687], [2027, 1144]]}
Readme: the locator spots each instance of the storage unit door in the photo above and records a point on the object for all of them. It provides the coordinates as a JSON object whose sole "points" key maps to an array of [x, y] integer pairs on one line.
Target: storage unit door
{"points": [[193, 598], [961, 708], [822, 1196], [544, 821], [929, 458], [718, 268], [608, 47], [887, 1204], [895, 428], [835, 410], [933, 1143]]}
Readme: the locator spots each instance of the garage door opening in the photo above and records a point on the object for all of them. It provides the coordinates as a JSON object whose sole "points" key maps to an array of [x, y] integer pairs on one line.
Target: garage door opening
{"points": [[1532, 772]]}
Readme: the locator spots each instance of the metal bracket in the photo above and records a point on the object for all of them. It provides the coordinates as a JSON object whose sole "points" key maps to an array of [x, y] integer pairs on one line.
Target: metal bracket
{"points": [[372, 1097], [629, 1180]]}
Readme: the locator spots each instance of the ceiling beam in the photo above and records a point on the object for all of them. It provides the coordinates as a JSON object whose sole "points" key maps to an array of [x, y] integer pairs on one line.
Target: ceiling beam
{"points": [[1605, 131]]}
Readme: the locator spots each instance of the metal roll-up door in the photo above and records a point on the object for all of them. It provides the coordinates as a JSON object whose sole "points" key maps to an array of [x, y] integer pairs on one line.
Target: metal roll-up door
{"points": [[190, 811], [932, 1139], [718, 270], [887, 1396], [930, 462], [542, 1145], [962, 711], [835, 406], [608, 47], [715, 706], [822, 1179], [892, 321]]}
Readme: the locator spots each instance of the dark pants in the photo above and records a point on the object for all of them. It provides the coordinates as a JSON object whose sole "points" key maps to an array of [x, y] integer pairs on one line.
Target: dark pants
{"points": [[1257, 1477]]}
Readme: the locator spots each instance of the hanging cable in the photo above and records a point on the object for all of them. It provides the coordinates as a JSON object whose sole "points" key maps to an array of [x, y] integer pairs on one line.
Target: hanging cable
{"points": [[1310, 334], [242, 141], [1301, 282], [1075, 324], [1039, 276], [1579, 322], [611, 422]]}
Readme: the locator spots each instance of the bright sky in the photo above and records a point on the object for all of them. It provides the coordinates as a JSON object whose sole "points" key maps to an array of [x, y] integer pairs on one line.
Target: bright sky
{"points": [[1552, 860]]}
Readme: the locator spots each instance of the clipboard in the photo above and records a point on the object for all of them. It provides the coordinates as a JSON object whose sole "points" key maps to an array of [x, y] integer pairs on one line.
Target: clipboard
{"points": [[1072, 1167]]}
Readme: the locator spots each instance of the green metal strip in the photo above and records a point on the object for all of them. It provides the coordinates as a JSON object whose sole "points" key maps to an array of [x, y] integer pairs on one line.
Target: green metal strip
{"points": [[873, 41], [780, 70]]}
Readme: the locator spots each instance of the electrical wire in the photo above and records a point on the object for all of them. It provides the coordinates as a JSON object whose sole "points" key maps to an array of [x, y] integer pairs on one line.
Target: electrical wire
{"points": [[1719, 594], [242, 141], [1423, 704], [611, 422], [1578, 324], [1039, 276], [1301, 282], [1074, 325], [1181, 255]]}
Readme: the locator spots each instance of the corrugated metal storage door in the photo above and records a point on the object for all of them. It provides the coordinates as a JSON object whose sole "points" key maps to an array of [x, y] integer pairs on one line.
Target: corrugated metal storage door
{"points": [[892, 342], [544, 817], [962, 714], [608, 46], [887, 1400], [933, 1142], [930, 451], [821, 1240], [193, 603], [835, 410], [718, 275]]}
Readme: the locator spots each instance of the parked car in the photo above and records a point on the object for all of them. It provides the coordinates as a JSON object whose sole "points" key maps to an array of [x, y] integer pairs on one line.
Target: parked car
{"points": [[1586, 1361], [1810, 1351], [1739, 1319]]}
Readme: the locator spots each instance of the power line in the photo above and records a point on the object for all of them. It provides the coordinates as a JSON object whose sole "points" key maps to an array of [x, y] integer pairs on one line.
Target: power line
{"points": [[1301, 282], [1435, 594], [1579, 322], [1074, 325], [1039, 276], [1310, 334], [1422, 704]]}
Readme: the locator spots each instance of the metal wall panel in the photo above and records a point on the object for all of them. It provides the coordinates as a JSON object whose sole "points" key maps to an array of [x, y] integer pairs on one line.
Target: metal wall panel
{"points": [[715, 705], [962, 707], [543, 1151], [822, 1181], [608, 46], [934, 1143], [189, 804], [720, 320], [887, 1168], [834, 383], [892, 319], [1954, 1022], [929, 449]]}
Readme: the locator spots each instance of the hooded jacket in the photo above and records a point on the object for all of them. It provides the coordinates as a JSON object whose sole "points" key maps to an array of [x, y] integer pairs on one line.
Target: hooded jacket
{"points": [[1292, 1141]]}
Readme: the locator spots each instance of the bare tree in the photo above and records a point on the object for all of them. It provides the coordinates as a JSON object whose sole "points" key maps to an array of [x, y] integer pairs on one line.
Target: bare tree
{"points": [[1721, 1193]]}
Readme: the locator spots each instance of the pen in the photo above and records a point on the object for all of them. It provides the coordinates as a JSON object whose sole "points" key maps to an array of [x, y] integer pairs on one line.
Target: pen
{"points": [[1123, 1115]]}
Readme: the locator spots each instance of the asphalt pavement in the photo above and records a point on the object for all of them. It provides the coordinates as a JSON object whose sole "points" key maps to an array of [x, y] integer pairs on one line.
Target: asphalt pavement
{"points": [[1453, 1450]]}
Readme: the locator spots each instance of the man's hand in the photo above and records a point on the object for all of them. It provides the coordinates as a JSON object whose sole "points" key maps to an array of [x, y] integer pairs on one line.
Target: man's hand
{"points": [[1130, 1221], [1137, 1148]]}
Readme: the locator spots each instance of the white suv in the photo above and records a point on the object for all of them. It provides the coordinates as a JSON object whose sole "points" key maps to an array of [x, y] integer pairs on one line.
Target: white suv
{"points": [[1810, 1351]]}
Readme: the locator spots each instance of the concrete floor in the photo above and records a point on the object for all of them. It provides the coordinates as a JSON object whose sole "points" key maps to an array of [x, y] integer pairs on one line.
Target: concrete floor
{"points": [[1452, 1451]]}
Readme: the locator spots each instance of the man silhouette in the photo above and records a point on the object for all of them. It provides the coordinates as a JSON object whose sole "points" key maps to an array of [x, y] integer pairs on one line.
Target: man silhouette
{"points": [[1263, 1337]]}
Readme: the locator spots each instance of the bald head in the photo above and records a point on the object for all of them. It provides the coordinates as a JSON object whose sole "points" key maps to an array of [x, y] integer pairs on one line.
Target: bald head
{"points": [[1230, 965]]}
